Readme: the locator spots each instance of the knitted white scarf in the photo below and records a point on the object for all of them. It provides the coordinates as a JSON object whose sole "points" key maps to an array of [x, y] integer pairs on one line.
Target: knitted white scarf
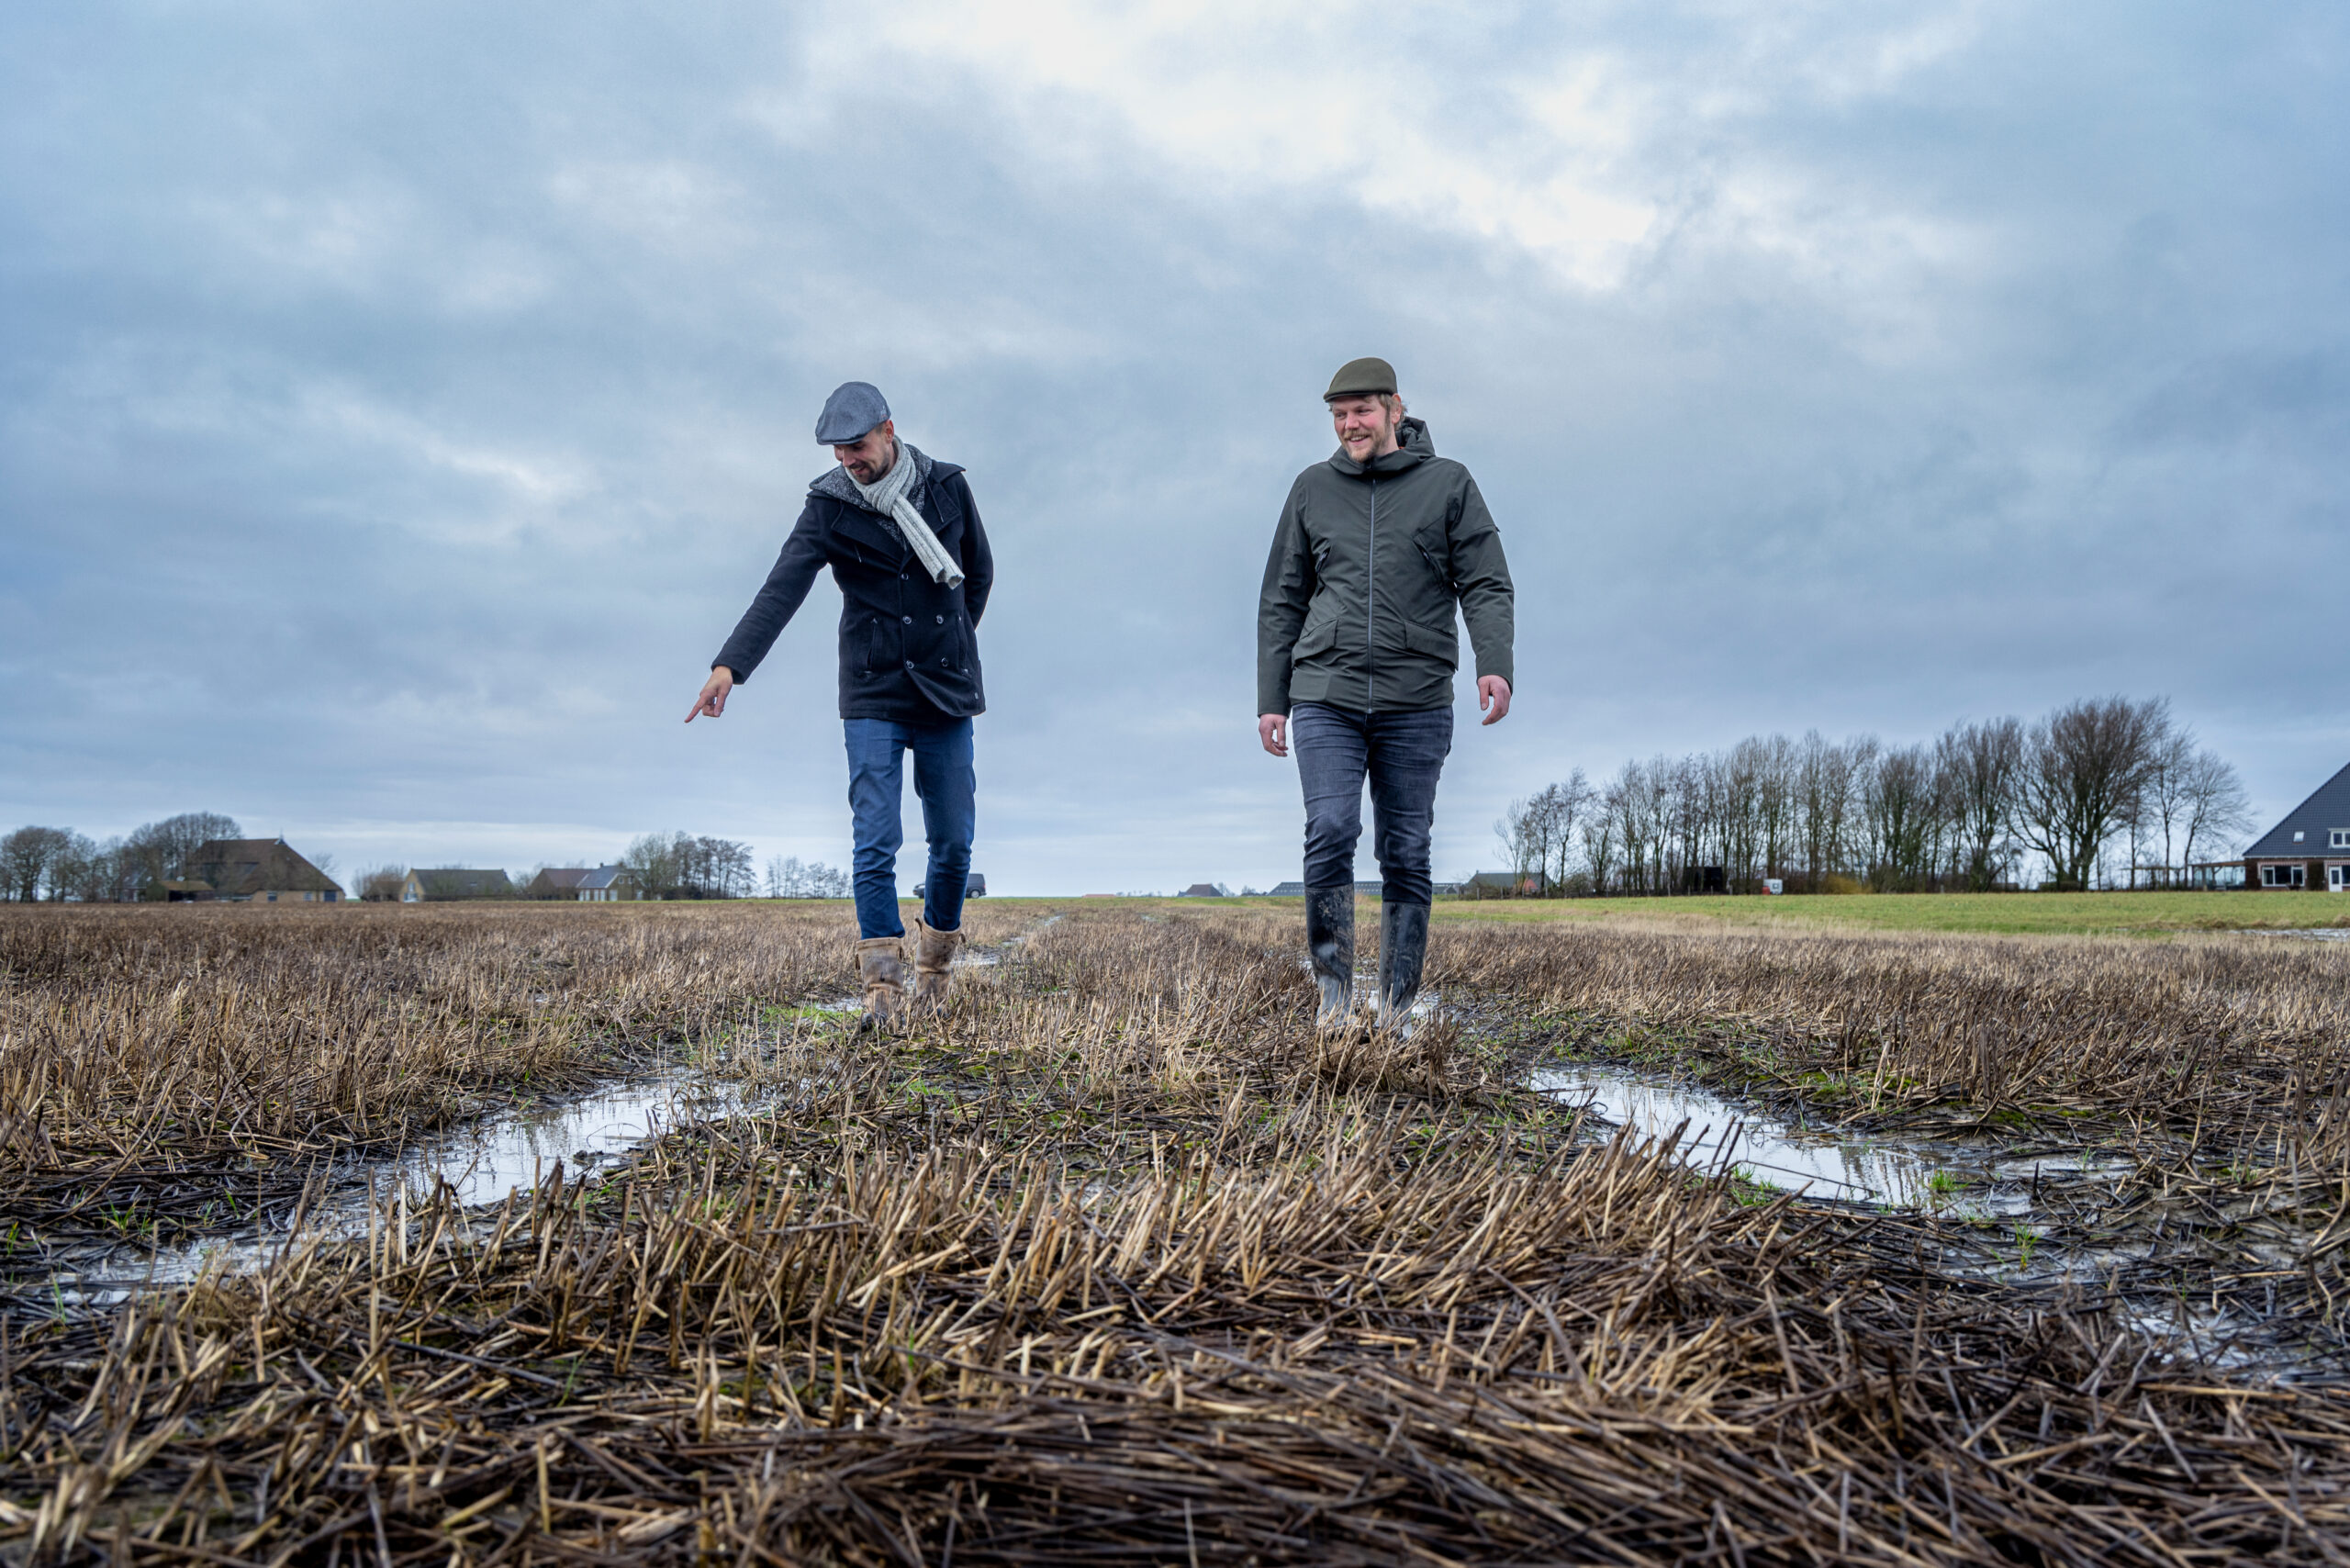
{"points": [[890, 498]]}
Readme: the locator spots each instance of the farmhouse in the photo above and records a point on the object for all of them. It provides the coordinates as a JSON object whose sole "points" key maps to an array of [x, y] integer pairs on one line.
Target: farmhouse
{"points": [[2310, 848], [1203, 891], [1504, 885], [557, 882], [447, 882], [251, 871], [609, 884]]}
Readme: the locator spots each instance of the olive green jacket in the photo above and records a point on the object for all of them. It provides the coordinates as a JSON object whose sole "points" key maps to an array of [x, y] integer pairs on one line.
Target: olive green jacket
{"points": [[1368, 563]]}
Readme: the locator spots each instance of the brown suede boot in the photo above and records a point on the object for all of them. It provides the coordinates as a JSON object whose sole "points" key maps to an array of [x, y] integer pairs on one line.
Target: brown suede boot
{"points": [[881, 965], [934, 952]]}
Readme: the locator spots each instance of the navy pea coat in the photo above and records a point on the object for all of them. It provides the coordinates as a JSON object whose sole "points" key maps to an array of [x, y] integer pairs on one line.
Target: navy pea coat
{"points": [[909, 645]]}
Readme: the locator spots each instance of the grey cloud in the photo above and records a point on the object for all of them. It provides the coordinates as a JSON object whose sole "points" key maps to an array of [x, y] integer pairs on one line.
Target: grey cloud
{"points": [[397, 409]]}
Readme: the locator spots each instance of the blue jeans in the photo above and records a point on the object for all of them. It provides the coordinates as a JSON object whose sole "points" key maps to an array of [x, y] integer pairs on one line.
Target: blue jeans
{"points": [[944, 778], [1401, 754]]}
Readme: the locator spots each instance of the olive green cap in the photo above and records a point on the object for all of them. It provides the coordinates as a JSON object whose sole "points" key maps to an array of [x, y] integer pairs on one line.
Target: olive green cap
{"points": [[1357, 376]]}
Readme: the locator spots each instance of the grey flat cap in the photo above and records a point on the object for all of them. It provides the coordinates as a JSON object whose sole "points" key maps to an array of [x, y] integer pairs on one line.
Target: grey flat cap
{"points": [[853, 407], [1357, 376]]}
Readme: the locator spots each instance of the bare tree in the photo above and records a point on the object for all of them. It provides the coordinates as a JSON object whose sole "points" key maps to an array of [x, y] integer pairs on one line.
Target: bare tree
{"points": [[1773, 765], [1600, 841], [2216, 804], [1897, 810], [87, 872], [1538, 833], [1520, 831], [380, 884], [26, 859], [794, 879], [2189, 793], [682, 866], [1571, 805], [1978, 764], [157, 852], [2082, 764], [1640, 803]]}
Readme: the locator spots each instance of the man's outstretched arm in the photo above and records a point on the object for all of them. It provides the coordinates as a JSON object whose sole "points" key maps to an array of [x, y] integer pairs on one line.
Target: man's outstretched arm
{"points": [[771, 610]]}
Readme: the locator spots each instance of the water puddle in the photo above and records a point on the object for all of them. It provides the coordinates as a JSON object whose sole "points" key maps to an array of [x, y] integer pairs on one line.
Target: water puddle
{"points": [[482, 1163], [2311, 933], [1773, 1153]]}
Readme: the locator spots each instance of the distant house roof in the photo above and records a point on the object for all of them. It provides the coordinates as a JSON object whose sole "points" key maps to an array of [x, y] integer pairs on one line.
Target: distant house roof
{"points": [[462, 882], [604, 877], [1201, 890], [1504, 882], [239, 867], [562, 878], [2317, 820]]}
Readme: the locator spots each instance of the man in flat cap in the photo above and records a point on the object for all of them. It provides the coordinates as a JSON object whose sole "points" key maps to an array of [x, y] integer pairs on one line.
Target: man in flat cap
{"points": [[903, 536], [1355, 661]]}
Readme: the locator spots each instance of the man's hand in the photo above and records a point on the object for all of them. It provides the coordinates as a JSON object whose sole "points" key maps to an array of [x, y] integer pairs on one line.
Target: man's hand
{"points": [[1272, 732], [712, 699], [1493, 697]]}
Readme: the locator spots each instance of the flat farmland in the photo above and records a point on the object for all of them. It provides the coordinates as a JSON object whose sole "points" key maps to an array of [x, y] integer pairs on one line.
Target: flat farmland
{"points": [[1668, 1233], [2071, 915]]}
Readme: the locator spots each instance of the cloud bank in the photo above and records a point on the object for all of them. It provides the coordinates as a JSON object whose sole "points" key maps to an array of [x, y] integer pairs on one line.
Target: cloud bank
{"points": [[397, 409]]}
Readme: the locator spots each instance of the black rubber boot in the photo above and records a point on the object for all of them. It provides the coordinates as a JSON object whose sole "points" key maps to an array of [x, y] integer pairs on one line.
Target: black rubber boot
{"points": [[1403, 948], [1330, 943]]}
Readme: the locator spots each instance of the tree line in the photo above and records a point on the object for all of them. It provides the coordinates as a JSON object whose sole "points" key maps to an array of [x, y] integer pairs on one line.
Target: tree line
{"points": [[2093, 782], [58, 864]]}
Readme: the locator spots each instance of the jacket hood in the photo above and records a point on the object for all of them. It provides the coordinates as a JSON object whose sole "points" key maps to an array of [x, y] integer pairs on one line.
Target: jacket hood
{"points": [[1415, 449]]}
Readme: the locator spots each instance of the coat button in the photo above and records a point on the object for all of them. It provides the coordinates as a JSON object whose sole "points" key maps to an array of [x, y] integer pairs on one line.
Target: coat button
{"points": [[940, 619], [910, 664], [905, 577], [909, 620]]}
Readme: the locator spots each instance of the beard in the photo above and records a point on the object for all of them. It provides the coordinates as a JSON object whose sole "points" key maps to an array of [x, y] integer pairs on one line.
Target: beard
{"points": [[866, 472]]}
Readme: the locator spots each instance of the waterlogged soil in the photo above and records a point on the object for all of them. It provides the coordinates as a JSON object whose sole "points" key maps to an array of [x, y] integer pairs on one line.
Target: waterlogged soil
{"points": [[509, 1152], [2212, 1252], [1998, 1202]]}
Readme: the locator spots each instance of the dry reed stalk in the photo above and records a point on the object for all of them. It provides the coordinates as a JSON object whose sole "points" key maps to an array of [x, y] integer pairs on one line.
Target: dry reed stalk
{"points": [[2215, 1031], [1107, 1262], [167, 1069]]}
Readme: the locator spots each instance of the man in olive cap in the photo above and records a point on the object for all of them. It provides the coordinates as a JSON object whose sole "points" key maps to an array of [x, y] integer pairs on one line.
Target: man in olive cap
{"points": [[1355, 660], [903, 536]]}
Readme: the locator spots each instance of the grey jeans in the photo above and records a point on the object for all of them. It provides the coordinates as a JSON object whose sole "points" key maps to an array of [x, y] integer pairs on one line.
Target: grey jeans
{"points": [[1402, 756]]}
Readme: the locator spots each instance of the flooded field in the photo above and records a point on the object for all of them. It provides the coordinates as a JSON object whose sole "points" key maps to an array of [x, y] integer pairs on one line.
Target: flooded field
{"points": [[542, 1234]]}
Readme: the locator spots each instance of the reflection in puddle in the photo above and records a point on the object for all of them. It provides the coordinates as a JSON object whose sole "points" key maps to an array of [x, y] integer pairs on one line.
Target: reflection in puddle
{"points": [[1776, 1155], [481, 1163]]}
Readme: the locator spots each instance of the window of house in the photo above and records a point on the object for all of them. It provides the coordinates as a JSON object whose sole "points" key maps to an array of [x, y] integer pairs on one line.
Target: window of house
{"points": [[2342, 838], [2299, 835]]}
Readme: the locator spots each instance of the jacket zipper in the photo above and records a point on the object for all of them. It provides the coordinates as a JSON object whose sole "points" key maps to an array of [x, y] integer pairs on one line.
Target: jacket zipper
{"points": [[1370, 609]]}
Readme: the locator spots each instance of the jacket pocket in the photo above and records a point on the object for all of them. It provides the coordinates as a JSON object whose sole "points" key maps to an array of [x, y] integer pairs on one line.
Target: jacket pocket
{"points": [[1317, 637], [1442, 644], [880, 655]]}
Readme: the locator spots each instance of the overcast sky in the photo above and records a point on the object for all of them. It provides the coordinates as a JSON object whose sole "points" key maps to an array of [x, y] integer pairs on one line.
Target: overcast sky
{"points": [[398, 404]]}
